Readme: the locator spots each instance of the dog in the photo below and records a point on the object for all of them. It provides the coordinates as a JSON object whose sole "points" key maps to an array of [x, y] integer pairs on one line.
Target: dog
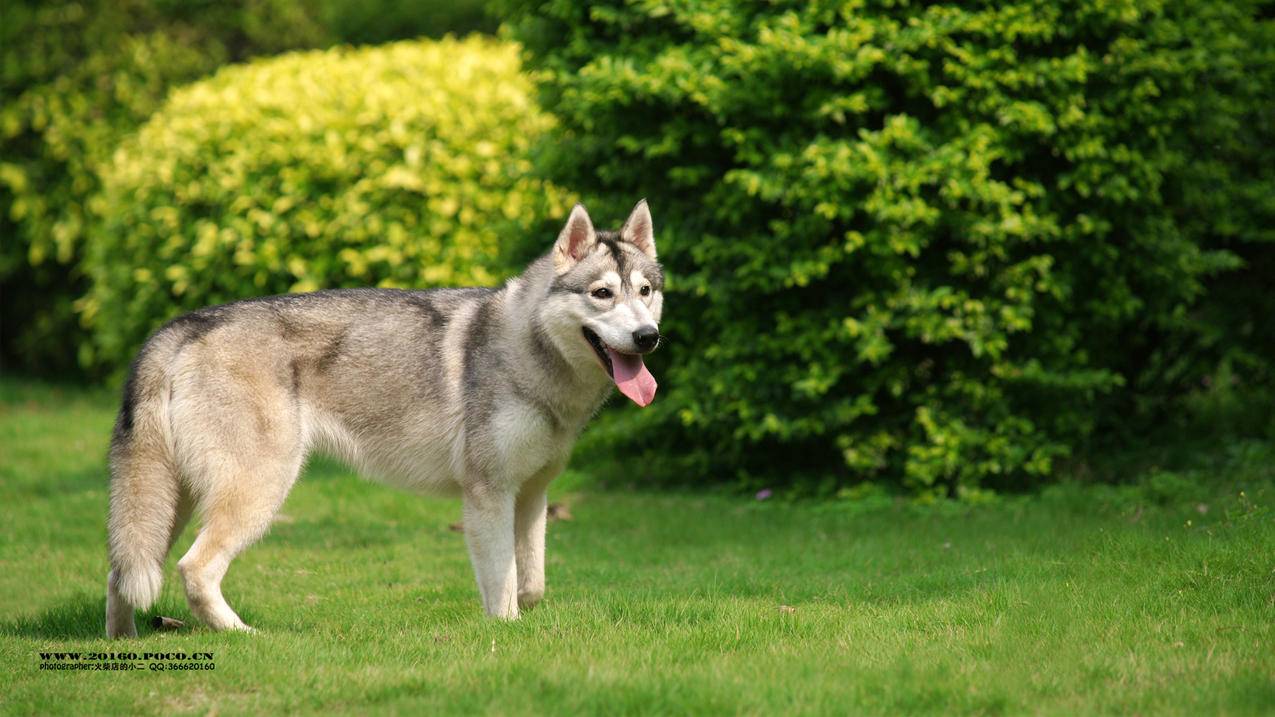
{"points": [[476, 392]]}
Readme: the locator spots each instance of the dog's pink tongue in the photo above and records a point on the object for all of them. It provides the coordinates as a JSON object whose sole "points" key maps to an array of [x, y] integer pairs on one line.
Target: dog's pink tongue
{"points": [[631, 377]]}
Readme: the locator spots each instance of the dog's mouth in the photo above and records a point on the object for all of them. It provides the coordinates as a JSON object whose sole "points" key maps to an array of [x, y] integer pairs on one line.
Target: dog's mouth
{"points": [[627, 370], [600, 349]]}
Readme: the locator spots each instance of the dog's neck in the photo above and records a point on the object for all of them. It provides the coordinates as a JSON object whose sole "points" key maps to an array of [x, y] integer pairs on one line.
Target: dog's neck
{"points": [[558, 358]]}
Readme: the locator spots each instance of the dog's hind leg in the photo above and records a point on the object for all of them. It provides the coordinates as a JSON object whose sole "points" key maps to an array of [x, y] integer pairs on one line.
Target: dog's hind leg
{"points": [[489, 532], [241, 456], [236, 513], [119, 613]]}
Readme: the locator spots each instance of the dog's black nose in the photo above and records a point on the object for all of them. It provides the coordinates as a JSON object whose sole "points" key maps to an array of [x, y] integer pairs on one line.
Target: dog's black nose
{"points": [[646, 338]]}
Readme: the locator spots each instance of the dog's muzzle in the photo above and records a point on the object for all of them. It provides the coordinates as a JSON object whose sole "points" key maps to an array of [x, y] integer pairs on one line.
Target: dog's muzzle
{"points": [[646, 338]]}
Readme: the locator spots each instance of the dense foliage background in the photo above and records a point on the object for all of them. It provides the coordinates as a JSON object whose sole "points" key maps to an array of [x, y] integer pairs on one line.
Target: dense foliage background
{"points": [[938, 243], [375, 21], [939, 246], [401, 165], [78, 76]]}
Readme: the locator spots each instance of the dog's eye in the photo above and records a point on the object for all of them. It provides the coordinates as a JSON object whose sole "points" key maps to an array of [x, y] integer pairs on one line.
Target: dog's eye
{"points": [[646, 290], [601, 293]]}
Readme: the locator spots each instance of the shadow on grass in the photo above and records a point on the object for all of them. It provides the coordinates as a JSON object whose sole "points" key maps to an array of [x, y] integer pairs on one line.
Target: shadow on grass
{"points": [[84, 617], [324, 468], [80, 617]]}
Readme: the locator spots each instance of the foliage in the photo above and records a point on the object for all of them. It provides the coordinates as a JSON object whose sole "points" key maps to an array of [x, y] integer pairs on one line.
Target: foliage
{"points": [[939, 244], [377, 21], [400, 165], [77, 76], [1230, 198]]}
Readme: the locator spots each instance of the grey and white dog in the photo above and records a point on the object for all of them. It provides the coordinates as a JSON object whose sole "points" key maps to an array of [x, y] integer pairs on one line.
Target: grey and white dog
{"points": [[477, 392]]}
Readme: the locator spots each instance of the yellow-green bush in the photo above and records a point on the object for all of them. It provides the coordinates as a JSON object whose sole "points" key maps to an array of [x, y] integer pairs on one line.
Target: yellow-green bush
{"points": [[76, 76], [398, 165]]}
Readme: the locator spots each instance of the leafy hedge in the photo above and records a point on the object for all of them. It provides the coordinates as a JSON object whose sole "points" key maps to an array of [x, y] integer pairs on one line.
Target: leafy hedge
{"points": [[77, 77], [938, 244], [372, 22], [399, 165]]}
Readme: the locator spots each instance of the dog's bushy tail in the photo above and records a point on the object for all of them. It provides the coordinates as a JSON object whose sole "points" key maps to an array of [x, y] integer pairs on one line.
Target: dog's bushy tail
{"points": [[145, 488]]}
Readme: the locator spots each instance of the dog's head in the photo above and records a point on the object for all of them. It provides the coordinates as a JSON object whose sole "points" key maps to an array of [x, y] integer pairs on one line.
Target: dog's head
{"points": [[608, 290]]}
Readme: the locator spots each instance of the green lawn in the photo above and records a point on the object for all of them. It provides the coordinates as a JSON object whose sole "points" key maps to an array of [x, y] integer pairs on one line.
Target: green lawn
{"points": [[1152, 598]]}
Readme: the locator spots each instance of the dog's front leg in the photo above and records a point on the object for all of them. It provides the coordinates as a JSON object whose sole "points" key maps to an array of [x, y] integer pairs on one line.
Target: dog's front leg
{"points": [[529, 535], [489, 532]]}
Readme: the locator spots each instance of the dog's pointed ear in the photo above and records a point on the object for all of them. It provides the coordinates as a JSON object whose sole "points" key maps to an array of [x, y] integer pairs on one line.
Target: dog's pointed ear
{"points": [[638, 229], [575, 241]]}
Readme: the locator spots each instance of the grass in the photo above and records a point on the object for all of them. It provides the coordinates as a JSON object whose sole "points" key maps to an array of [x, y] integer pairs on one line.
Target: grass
{"points": [[1156, 597]]}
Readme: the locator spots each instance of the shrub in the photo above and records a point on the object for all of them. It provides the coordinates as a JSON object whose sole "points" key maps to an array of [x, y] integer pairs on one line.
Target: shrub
{"points": [[934, 243], [377, 21], [399, 165], [78, 76], [1229, 198]]}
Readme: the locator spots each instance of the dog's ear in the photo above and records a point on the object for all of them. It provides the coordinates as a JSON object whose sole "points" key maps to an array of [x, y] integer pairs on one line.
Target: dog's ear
{"points": [[575, 241], [638, 229]]}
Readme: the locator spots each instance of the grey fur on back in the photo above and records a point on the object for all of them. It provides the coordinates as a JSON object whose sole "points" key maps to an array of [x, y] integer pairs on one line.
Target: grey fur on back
{"points": [[377, 357]]}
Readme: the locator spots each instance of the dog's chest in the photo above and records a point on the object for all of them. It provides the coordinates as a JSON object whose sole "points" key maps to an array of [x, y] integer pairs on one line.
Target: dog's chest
{"points": [[526, 438]]}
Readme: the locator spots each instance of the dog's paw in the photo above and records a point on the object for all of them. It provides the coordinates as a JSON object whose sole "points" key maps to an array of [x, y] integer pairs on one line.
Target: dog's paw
{"points": [[530, 598]]}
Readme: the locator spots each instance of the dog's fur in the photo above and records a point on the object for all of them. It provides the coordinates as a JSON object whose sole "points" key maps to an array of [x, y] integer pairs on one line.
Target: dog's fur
{"points": [[478, 392]]}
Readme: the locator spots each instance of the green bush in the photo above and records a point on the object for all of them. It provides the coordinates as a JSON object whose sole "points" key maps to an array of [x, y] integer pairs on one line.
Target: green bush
{"points": [[942, 244], [78, 76], [399, 165], [373, 22], [1229, 197]]}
